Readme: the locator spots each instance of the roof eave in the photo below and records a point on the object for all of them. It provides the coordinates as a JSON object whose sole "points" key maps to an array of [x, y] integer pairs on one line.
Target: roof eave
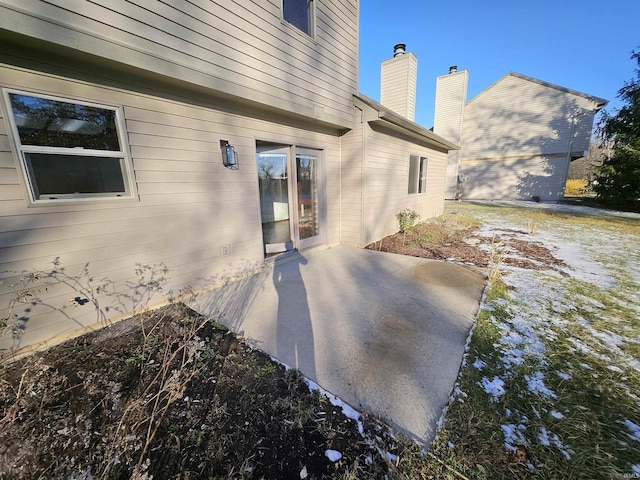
{"points": [[403, 125], [415, 130]]}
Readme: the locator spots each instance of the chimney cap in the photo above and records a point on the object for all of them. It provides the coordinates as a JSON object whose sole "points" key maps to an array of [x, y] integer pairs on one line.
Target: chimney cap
{"points": [[399, 49], [453, 69]]}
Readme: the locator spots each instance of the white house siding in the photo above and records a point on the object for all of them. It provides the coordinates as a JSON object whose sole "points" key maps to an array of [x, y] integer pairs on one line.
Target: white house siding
{"points": [[514, 178], [517, 117], [238, 48], [518, 137], [452, 180], [398, 77], [451, 98], [386, 182], [189, 204], [353, 151]]}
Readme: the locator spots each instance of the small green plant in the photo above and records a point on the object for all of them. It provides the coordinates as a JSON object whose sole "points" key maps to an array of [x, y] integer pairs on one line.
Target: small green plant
{"points": [[264, 371], [407, 219]]}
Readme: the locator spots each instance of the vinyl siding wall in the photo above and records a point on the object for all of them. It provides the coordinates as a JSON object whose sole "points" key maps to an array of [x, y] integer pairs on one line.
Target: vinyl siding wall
{"points": [[386, 180], [451, 98], [516, 117], [189, 206], [238, 48], [398, 79], [514, 178], [518, 137], [353, 151]]}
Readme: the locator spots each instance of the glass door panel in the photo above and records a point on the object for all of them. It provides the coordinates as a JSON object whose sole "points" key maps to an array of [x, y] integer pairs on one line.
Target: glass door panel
{"points": [[275, 199], [290, 186], [308, 204]]}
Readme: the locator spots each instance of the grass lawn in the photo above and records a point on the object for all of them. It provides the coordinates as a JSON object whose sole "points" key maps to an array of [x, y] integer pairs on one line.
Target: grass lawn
{"points": [[549, 386]]}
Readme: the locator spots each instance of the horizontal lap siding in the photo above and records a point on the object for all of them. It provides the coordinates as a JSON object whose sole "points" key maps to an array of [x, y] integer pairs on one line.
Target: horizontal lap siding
{"points": [[516, 117], [398, 84], [387, 178], [240, 48], [189, 204], [351, 183], [515, 178]]}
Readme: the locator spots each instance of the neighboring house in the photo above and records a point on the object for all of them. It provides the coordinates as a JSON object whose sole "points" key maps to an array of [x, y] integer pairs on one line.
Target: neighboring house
{"points": [[517, 137], [583, 168], [204, 137]]}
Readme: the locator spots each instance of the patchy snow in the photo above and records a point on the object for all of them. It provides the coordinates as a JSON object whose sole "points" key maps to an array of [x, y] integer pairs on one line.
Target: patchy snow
{"points": [[479, 364], [544, 303], [348, 411], [549, 439], [335, 401], [333, 455], [494, 387], [579, 264], [514, 436], [536, 384], [634, 429]]}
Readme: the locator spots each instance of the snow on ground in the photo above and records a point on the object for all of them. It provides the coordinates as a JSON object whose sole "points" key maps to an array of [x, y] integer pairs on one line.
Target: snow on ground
{"points": [[543, 301]]}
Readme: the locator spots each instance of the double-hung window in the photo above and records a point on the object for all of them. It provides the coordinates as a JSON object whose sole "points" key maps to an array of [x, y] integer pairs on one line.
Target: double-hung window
{"points": [[300, 14], [418, 174], [70, 150]]}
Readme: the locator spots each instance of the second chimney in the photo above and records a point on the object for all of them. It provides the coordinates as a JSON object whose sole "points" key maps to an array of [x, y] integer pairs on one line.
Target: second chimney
{"points": [[398, 79]]}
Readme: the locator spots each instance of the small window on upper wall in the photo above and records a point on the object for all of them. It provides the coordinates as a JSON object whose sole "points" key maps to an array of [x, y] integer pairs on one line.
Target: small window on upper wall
{"points": [[418, 174], [299, 13], [70, 150]]}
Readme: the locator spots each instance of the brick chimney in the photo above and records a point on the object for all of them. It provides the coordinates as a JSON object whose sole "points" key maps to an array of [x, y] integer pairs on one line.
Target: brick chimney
{"points": [[398, 78]]}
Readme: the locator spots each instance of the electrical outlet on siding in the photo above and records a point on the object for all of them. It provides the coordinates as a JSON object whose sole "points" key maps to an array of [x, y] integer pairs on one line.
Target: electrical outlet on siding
{"points": [[224, 250]]}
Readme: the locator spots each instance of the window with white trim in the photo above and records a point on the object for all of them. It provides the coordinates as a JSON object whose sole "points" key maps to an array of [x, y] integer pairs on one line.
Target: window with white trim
{"points": [[418, 174], [68, 149], [299, 13]]}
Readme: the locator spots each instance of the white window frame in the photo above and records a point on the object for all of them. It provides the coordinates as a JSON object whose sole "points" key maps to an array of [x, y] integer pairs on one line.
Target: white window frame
{"points": [[312, 18], [126, 166], [418, 168]]}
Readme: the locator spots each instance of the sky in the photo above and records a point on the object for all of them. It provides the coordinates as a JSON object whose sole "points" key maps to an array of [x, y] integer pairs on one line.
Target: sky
{"points": [[583, 45]]}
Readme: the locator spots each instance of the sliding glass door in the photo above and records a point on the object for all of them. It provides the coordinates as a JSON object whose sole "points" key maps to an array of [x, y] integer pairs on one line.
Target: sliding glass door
{"points": [[290, 197]]}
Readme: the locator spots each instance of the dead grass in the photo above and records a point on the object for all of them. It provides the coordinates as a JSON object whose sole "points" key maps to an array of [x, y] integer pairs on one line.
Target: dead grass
{"points": [[182, 397]]}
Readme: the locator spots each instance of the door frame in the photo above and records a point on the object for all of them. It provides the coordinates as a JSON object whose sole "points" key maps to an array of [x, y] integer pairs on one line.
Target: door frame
{"points": [[294, 221]]}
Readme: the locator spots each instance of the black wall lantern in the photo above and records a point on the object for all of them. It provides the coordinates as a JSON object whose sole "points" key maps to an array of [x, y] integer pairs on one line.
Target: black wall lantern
{"points": [[229, 155]]}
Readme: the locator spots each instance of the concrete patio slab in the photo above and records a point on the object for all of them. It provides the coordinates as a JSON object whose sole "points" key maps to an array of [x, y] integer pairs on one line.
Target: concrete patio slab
{"points": [[383, 332]]}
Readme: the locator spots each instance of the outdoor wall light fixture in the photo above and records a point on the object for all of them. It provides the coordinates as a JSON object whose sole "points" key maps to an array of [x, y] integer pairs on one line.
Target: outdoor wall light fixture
{"points": [[229, 155]]}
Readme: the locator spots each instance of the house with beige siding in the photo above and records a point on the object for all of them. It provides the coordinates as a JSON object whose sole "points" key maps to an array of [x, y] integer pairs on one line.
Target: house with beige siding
{"points": [[147, 147], [517, 138]]}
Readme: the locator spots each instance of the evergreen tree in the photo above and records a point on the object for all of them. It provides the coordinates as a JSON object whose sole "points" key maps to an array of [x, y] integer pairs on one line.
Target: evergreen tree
{"points": [[618, 179]]}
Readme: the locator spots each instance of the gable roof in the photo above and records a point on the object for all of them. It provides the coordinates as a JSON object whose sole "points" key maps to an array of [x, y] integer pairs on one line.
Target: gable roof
{"points": [[401, 124], [600, 102]]}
